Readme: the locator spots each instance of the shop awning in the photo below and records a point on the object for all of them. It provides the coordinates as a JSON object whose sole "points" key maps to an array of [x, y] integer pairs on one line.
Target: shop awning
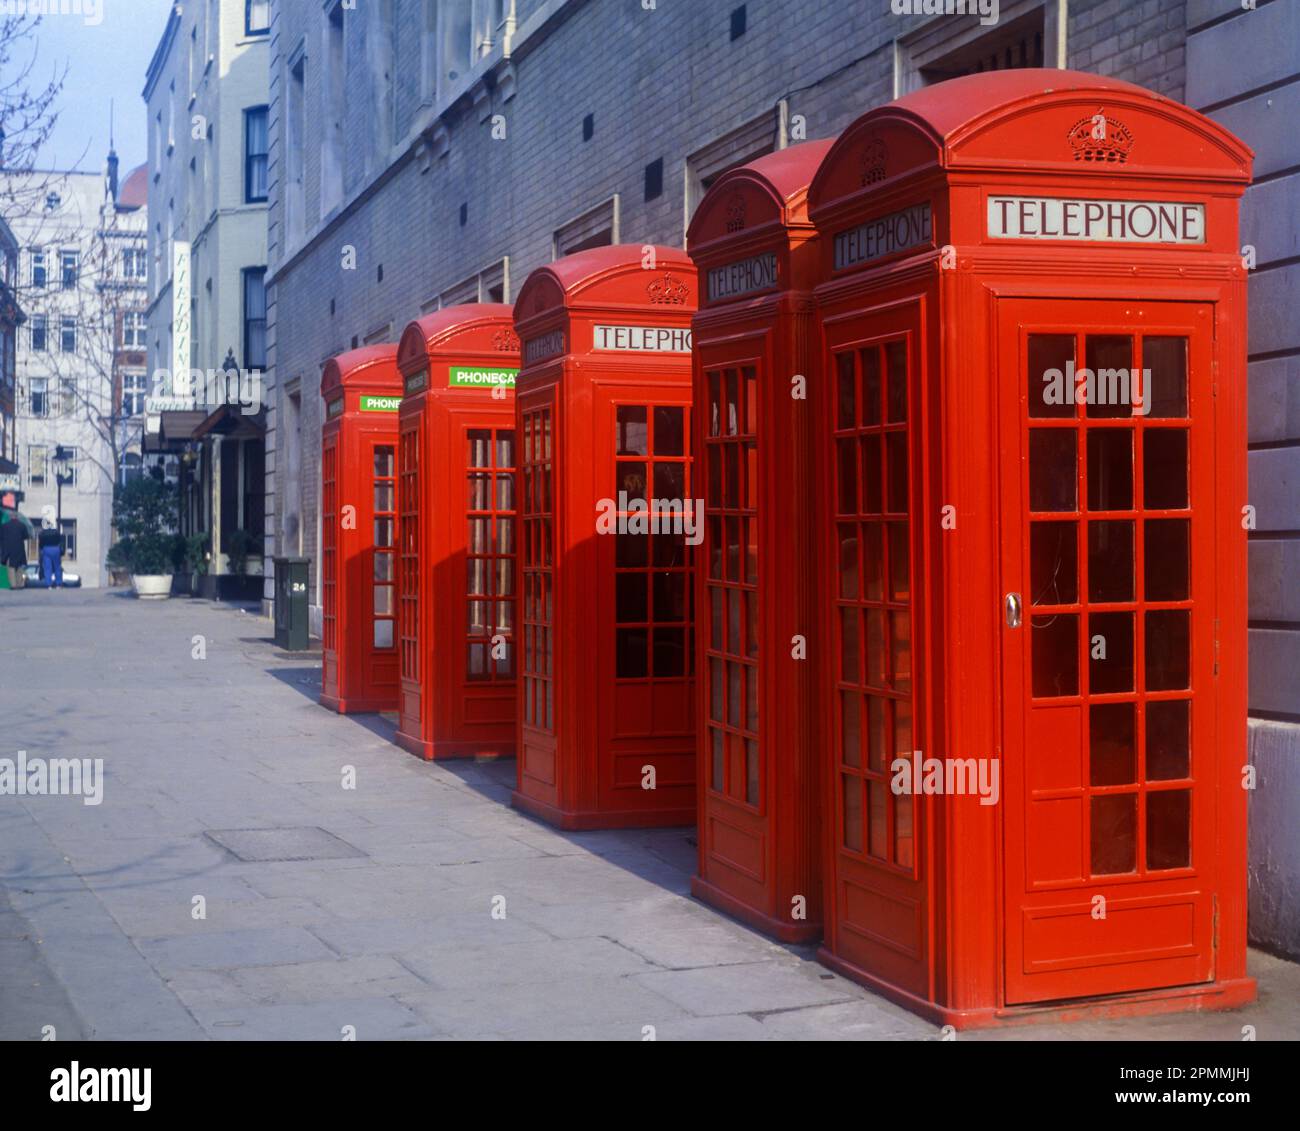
{"points": [[175, 429], [231, 421]]}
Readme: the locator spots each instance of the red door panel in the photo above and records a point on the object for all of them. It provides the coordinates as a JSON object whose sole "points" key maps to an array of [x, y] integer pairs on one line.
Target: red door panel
{"points": [[872, 667], [646, 643], [1107, 563]]}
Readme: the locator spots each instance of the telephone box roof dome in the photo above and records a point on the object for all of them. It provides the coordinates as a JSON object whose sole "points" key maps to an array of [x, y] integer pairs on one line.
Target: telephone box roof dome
{"points": [[610, 275], [1030, 120], [780, 179], [370, 365], [439, 326], [948, 105]]}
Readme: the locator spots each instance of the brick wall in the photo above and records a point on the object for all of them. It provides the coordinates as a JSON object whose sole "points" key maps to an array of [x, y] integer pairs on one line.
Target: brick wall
{"points": [[661, 83]]}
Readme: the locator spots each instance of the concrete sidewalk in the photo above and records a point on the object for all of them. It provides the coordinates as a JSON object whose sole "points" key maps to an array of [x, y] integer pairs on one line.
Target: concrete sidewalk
{"points": [[370, 908]]}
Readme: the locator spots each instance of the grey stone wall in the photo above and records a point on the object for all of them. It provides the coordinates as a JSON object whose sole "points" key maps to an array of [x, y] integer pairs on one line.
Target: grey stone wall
{"points": [[1242, 69]]}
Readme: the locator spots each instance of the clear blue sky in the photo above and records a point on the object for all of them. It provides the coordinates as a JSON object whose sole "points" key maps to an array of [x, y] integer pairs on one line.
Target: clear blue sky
{"points": [[105, 60]]}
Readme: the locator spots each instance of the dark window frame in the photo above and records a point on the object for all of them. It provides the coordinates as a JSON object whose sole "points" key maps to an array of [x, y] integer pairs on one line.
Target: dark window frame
{"points": [[249, 5], [245, 276], [250, 157]]}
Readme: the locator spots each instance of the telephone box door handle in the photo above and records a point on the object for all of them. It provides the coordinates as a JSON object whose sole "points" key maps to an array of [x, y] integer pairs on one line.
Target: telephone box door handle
{"points": [[1013, 610]]}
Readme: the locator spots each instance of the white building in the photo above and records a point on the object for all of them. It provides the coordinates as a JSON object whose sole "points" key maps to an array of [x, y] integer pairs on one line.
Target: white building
{"points": [[79, 362], [206, 98]]}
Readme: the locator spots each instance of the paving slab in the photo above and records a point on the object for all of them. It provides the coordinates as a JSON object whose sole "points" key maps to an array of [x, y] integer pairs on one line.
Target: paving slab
{"points": [[224, 950], [370, 976], [751, 987]]}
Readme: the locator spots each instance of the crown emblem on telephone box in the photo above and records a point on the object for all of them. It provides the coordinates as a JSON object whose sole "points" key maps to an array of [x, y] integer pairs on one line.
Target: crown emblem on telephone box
{"points": [[1100, 139]]}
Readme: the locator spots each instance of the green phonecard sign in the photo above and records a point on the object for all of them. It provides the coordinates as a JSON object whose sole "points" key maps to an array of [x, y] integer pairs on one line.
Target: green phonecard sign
{"points": [[380, 404], [475, 377]]}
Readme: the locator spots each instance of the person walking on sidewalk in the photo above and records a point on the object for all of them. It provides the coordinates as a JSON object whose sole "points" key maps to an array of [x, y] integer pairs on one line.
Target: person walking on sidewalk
{"points": [[51, 550]]}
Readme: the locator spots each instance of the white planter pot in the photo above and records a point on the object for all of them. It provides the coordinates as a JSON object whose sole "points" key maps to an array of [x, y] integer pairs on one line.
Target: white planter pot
{"points": [[152, 586]]}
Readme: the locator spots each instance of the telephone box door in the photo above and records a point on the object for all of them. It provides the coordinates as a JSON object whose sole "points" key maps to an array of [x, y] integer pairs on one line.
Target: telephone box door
{"points": [[1106, 483], [649, 654], [878, 897]]}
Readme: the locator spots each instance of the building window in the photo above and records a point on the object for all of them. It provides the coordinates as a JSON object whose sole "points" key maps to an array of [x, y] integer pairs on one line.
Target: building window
{"points": [[133, 330], [757, 137], [38, 269], [134, 263], [255, 148], [492, 284], [134, 388], [595, 228], [68, 334], [40, 328], [37, 456], [457, 42], [52, 201], [68, 265], [295, 201], [257, 16], [1029, 33], [255, 318], [129, 468], [68, 528], [334, 89], [70, 476], [38, 393]]}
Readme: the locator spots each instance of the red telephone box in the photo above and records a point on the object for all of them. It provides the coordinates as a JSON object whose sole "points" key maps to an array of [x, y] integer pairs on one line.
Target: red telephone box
{"points": [[361, 390], [456, 471], [1034, 577], [756, 383], [606, 732]]}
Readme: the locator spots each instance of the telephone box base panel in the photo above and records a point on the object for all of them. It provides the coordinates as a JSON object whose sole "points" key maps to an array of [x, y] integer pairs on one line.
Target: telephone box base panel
{"points": [[779, 929], [602, 819], [352, 706], [1206, 996], [449, 751]]}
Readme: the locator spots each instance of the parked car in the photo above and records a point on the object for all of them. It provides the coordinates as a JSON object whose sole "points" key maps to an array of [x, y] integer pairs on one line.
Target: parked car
{"points": [[32, 572]]}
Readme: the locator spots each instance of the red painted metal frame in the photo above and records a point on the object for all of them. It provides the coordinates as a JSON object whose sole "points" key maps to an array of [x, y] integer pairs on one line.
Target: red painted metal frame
{"points": [[585, 735], [450, 707], [356, 674], [950, 937], [759, 841]]}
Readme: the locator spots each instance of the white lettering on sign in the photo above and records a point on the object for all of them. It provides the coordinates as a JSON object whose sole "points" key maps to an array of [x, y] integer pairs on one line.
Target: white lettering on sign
{"points": [[1095, 221], [548, 345], [180, 306], [641, 339], [416, 381], [883, 236], [745, 277]]}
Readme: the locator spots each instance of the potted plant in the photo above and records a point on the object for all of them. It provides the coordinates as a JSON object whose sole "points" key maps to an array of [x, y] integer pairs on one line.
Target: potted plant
{"points": [[143, 515], [196, 560], [239, 546]]}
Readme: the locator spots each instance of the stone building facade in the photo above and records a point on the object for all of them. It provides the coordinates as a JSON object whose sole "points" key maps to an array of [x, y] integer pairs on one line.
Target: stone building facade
{"points": [[81, 248], [205, 95], [429, 152]]}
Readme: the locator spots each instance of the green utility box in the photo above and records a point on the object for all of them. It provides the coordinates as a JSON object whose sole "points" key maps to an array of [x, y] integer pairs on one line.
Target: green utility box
{"points": [[291, 603]]}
